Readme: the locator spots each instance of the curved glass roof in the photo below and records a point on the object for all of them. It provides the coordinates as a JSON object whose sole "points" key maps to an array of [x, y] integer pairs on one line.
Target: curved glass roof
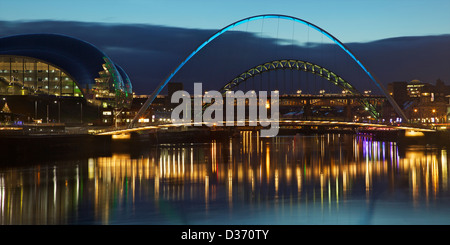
{"points": [[83, 61]]}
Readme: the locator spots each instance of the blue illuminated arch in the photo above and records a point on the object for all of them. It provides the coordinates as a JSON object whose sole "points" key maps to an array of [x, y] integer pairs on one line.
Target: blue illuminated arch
{"points": [[268, 16]]}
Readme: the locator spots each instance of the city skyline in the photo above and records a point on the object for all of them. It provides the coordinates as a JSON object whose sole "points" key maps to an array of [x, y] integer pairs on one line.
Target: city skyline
{"points": [[235, 113], [395, 45]]}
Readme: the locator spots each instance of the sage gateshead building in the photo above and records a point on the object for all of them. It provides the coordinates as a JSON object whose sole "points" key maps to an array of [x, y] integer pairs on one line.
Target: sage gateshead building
{"points": [[59, 79]]}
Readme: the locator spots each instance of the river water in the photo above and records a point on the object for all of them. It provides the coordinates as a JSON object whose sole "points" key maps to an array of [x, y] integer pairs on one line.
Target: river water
{"points": [[292, 180]]}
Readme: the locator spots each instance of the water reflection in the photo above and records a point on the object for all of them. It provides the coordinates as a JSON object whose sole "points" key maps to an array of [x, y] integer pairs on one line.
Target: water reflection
{"points": [[332, 178]]}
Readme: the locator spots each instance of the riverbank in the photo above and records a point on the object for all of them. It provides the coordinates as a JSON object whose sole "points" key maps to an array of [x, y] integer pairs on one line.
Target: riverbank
{"points": [[23, 147]]}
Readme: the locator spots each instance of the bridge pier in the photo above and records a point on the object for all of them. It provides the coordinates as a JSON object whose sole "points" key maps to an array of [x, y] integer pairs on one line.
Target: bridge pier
{"points": [[348, 110], [307, 109]]}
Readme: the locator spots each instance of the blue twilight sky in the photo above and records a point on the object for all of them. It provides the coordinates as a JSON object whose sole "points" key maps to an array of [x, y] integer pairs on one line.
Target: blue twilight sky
{"points": [[398, 40], [348, 20]]}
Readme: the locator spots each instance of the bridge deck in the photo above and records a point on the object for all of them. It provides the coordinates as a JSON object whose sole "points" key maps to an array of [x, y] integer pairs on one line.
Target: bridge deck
{"points": [[282, 123]]}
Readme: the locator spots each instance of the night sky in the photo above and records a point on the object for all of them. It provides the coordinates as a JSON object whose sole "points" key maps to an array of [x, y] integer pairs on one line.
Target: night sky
{"points": [[397, 40]]}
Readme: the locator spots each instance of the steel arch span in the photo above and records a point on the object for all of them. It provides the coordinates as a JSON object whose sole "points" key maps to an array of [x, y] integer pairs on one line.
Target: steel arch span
{"points": [[301, 66], [268, 16]]}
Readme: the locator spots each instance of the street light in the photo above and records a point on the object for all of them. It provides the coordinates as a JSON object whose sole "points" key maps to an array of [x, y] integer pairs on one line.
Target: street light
{"points": [[81, 111], [59, 110], [433, 116], [35, 109], [415, 111]]}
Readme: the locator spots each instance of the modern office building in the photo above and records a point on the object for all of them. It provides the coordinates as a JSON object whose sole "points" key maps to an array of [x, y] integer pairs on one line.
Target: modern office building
{"points": [[422, 102], [39, 72]]}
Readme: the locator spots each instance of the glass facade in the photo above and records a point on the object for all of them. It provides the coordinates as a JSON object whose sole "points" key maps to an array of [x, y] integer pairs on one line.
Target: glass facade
{"points": [[21, 75], [109, 88], [29, 76]]}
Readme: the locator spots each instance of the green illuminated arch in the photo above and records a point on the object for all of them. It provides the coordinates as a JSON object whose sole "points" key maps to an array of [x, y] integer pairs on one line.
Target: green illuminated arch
{"points": [[301, 66]]}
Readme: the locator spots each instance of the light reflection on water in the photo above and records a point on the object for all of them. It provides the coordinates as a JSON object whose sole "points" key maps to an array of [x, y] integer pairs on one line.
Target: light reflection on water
{"points": [[327, 179]]}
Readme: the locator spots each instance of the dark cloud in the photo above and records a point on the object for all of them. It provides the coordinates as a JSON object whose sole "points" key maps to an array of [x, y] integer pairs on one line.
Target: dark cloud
{"points": [[425, 58], [149, 53]]}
